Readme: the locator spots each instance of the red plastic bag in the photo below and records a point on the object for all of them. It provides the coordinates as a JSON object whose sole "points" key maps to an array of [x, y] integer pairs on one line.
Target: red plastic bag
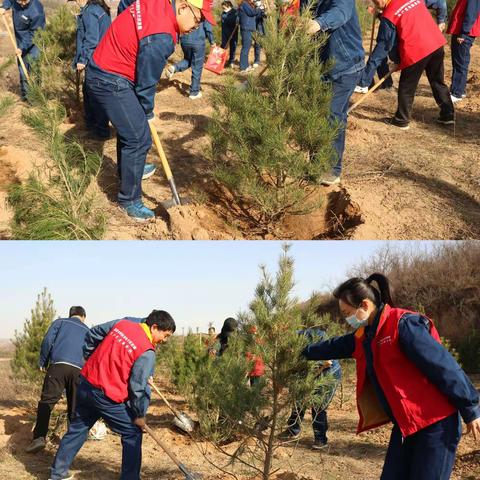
{"points": [[216, 60]]}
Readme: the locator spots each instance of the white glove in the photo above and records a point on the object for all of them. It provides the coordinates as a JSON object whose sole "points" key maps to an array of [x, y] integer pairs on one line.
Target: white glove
{"points": [[359, 89]]}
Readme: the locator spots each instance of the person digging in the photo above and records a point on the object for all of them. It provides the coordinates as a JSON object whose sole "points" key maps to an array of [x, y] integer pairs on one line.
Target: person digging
{"points": [[122, 77], [120, 359], [61, 358]]}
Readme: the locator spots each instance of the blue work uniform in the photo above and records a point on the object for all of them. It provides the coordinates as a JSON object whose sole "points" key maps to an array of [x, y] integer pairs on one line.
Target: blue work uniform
{"points": [[93, 404], [230, 33], [324, 393], [428, 454], [26, 21], [92, 23], [339, 19], [248, 17], [193, 47]]}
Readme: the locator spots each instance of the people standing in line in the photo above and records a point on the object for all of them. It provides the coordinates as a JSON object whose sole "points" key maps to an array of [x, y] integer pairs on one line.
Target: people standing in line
{"points": [[61, 358]]}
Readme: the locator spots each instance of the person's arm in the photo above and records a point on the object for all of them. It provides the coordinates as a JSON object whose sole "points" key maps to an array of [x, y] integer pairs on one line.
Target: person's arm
{"points": [[152, 57], [207, 27], [337, 347], [6, 5], [47, 343], [95, 336], [91, 22], [385, 42], [336, 16], [471, 14], [249, 10], [438, 365], [440, 7], [138, 388]]}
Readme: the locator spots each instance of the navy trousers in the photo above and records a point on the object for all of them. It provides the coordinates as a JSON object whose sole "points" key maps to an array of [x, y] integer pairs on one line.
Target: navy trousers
{"points": [[247, 39], [95, 119], [194, 58], [113, 97], [343, 88], [426, 455], [460, 64], [232, 44], [92, 404], [30, 55]]}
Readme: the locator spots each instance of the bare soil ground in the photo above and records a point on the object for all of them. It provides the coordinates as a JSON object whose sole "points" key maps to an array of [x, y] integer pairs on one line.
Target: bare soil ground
{"points": [[348, 455], [418, 184]]}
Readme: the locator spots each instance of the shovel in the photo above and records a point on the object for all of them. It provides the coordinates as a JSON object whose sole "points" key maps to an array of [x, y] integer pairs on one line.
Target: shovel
{"points": [[14, 43], [182, 420], [181, 466], [175, 200], [362, 99]]}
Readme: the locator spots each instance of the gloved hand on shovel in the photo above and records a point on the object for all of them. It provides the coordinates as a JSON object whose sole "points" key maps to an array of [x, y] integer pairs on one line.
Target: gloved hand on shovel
{"points": [[141, 423]]}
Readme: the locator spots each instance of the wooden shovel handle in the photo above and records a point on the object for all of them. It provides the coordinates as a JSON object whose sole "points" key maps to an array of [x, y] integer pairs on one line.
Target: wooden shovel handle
{"points": [[163, 447], [14, 43], [357, 103], [164, 399]]}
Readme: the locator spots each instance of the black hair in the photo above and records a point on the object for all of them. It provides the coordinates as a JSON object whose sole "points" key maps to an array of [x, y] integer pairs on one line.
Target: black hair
{"points": [[77, 311], [356, 289], [163, 320], [230, 326], [102, 3], [227, 3]]}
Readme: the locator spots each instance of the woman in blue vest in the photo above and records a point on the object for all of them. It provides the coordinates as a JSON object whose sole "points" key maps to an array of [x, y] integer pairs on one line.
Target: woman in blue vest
{"points": [[28, 17], [193, 46], [92, 23], [404, 376]]}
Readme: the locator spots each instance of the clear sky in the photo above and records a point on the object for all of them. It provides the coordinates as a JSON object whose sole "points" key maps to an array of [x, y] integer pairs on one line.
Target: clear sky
{"points": [[197, 282]]}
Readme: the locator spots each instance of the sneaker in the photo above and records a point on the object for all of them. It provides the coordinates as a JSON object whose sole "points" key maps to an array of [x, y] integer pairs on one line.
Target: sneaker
{"points": [[457, 99], [247, 70], [330, 179], [170, 72], [139, 212], [255, 65], [36, 445], [359, 89], [65, 478], [195, 96], [148, 170], [288, 436], [396, 123], [446, 121], [319, 445]]}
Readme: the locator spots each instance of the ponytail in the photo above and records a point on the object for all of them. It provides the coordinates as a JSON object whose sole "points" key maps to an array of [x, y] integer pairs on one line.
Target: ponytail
{"points": [[355, 290]]}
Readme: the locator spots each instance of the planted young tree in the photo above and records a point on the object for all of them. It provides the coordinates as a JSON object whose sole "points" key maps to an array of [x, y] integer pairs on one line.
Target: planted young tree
{"points": [[28, 342], [272, 140], [227, 406], [57, 200]]}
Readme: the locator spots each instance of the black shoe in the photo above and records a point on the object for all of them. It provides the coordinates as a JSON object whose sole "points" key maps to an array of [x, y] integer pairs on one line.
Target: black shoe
{"points": [[288, 436], [319, 445], [446, 120], [397, 123]]}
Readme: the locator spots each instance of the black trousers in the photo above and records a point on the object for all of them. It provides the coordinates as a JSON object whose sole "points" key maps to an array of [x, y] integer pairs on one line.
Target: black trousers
{"points": [[59, 377], [432, 65]]}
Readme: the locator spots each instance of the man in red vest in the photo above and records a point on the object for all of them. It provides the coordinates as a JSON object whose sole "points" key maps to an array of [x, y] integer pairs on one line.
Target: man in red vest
{"points": [[122, 78], [404, 376], [408, 32], [464, 27], [114, 386]]}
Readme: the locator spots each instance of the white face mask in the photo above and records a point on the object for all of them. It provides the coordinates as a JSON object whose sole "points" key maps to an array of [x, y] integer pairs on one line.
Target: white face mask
{"points": [[356, 322]]}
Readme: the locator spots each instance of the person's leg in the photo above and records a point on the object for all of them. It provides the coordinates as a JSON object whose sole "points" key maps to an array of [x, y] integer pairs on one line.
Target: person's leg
{"points": [[433, 450], [225, 37], [320, 424], [256, 50], [197, 61], [95, 118], [343, 88], [85, 417], [186, 63], [53, 386], [72, 379], [407, 87], [460, 64], [246, 44], [122, 107], [395, 466], [294, 423], [436, 74], [233, 48]]}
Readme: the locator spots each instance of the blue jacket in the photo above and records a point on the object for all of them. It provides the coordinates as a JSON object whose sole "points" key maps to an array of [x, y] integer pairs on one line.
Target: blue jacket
{"points": [[229, 21], [139, 391], [92, 23], [63, 343], [26, 21], [198, 36], [471, 14], [339, 19], [248, 15], [123, 5], [430, 357], [387, 42]]}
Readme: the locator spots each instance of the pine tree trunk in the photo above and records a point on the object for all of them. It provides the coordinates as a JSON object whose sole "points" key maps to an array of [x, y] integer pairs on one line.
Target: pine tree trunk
{"points": [[271, 439]]}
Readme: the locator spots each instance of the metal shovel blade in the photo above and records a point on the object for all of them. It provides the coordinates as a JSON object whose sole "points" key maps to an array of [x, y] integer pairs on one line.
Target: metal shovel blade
{"points": [[189, 475], [184, 422]]}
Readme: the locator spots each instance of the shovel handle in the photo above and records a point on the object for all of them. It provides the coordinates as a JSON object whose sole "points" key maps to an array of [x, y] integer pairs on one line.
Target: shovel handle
{"points": [[162, 396], [357, 103], [14, 43], [161, 153], [164, 447], [373, 33]]}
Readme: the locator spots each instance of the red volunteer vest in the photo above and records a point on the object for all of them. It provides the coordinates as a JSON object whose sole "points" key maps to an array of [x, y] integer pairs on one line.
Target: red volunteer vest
{"points": [[109, 366], [415, 402], [291, 9], [117, 51], [418, 34], [258, 369], [457, 17]]}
